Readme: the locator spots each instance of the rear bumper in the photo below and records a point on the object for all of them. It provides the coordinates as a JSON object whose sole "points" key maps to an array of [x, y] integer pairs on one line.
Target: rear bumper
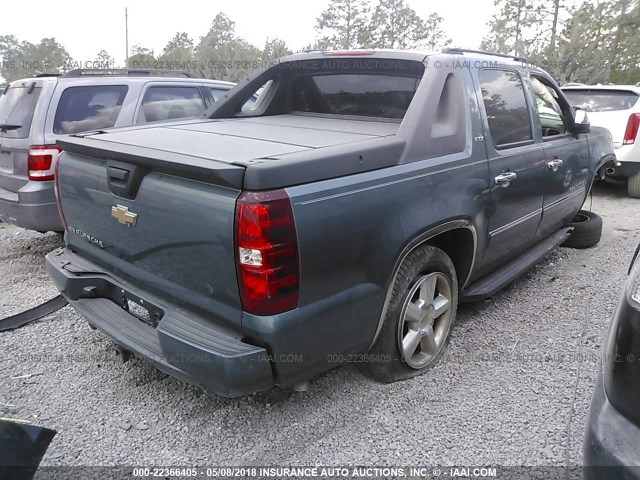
{"points": [[611, 441], [31, 208], [629, 158], [182, 344]]}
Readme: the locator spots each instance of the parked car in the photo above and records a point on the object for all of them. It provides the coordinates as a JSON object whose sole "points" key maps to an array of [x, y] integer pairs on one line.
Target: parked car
{"points": [[35, 112], [617, 108], [613, 426], [340, 220]]}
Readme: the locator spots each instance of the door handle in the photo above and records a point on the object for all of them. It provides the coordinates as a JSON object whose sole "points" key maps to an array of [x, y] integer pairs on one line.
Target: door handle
{"points": [[505, 179], [554, 164]]}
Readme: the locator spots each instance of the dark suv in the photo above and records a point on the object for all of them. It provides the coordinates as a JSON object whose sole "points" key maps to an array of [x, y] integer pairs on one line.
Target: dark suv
{"points": [[35, 112]]}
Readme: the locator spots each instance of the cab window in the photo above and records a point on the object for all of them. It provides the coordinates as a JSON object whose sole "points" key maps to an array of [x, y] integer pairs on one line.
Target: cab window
{"points": [[506, 107], [553, 120]]}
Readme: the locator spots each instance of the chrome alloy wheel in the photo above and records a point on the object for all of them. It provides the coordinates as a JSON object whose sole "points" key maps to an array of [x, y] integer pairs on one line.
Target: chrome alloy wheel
{"points": [[425, 320]]}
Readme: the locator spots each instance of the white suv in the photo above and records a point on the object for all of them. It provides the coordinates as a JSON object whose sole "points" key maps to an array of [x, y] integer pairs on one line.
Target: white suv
{"points": [[616, 107]]}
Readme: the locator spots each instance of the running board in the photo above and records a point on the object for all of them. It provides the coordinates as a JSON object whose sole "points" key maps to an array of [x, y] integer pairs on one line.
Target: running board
{"points": [[489, 285]]}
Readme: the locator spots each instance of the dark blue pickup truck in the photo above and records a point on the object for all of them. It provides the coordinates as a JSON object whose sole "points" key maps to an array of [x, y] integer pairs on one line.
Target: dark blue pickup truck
{"points": [[340, 219]]}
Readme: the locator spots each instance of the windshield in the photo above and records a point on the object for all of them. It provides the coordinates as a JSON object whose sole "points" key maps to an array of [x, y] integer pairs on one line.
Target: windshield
{"points": [[601, 100], [16, 111]]}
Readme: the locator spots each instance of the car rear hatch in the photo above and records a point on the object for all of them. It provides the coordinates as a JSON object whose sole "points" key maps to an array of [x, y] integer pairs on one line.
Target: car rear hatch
{"points": [[609, 108], [17, 106]]}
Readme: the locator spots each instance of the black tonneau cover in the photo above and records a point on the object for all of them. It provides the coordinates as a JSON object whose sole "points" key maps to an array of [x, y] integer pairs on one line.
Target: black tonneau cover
{"points": [[224, 151]]}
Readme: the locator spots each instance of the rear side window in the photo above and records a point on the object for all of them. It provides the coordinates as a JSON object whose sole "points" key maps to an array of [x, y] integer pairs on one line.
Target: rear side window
{"points": [[89, 108], [601, 100], [384, 96], [16, 111], [507, 113], [167, 103]]}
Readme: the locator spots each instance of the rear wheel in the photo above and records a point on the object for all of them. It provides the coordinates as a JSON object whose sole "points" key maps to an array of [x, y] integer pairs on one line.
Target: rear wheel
{"points": [[633, 186], [418, 319], [587, 230]]}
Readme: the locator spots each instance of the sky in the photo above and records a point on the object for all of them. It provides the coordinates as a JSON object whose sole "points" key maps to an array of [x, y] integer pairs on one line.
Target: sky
{"points": [[87, 27]]}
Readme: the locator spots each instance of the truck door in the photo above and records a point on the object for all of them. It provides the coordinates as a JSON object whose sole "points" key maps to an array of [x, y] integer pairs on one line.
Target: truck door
{"points": [[566, 156], [516, 165]]}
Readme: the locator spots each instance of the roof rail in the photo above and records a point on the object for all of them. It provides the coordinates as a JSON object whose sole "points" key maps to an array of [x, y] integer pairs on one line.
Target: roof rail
{"points": [[133, 72], [40, 75], [638, 84], [483, 52]]}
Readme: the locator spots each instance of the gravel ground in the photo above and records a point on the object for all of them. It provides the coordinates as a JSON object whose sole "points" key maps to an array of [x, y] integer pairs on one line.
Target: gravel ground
{"points": [[514, 388]]}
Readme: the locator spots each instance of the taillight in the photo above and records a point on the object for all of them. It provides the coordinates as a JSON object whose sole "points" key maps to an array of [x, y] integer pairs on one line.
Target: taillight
{"points": [[42, 161], [267, 252], [633, 125], [56, 190]]}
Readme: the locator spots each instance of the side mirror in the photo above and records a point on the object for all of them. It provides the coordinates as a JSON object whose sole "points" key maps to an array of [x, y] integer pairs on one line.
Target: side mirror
{"points": [[580, 122]]}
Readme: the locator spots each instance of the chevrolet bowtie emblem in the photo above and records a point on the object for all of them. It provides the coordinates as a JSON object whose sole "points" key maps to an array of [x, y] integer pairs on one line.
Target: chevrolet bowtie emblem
{"points": [[123, 215]]}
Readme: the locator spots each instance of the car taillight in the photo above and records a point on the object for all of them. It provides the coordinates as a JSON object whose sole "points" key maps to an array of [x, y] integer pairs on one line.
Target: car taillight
{"points": [[56, 190], [42, 161], [633, 125], [267, 252]]}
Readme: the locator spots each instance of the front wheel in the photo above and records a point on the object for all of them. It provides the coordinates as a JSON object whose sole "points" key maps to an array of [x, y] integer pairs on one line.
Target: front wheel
{"points": [[418, 318]]}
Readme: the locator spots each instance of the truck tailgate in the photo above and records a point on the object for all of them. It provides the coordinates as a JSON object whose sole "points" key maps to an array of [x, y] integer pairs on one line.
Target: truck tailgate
{"points": [[167, 225]]}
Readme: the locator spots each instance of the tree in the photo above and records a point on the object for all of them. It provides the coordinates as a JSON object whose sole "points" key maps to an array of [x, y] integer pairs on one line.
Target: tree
{"points": [[273, 49], [141, 57], [222, 55], [104, 60], [24, 59], [435, 36], [507, 26], [343, 25], [598, 43], [582, 47], [11, 57], [627, 61], [396, 25], [179, 52], [625, 14]]}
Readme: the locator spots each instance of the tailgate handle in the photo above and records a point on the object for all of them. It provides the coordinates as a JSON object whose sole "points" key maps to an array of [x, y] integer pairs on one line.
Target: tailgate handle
{"points": [[118, 174], [125, 178]]}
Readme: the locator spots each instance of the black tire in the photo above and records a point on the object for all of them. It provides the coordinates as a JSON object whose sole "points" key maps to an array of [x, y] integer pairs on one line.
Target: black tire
{"points": [[424, 266], [587, 230], [633, 186]]}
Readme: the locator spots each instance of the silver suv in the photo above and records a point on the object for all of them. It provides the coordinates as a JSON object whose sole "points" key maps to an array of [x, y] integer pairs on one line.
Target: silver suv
{"points": [[35, 112]]}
